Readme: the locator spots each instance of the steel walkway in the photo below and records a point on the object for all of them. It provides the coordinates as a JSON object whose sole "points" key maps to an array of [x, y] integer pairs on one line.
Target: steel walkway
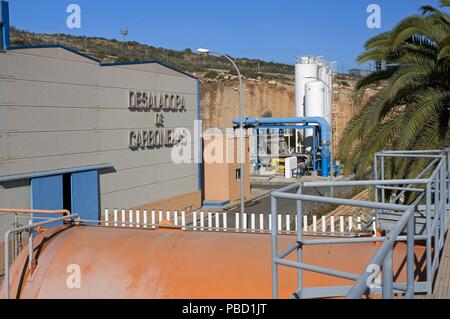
{"points": [[429, 202], [442, 285]]}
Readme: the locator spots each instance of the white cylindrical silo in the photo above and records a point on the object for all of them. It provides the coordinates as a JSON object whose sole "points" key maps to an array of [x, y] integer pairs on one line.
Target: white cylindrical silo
{"points": [[315, 101], [323, 75], [305, 69], [322, 71], [330, 95]]}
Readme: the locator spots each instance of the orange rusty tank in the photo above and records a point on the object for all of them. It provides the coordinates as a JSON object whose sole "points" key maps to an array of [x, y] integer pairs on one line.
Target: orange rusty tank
{"points": [[168, 263]]}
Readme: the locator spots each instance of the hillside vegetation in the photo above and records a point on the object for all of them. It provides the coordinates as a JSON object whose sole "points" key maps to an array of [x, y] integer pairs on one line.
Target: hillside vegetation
{"points": [[270, 87], [112, 50]]}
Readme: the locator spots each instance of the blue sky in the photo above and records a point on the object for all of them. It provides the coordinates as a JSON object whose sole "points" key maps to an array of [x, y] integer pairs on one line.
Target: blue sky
{"points": [[265, 29]]}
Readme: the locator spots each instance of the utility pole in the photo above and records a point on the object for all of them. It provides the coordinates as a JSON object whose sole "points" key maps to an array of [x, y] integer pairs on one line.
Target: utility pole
{"points": [[124, 33]]}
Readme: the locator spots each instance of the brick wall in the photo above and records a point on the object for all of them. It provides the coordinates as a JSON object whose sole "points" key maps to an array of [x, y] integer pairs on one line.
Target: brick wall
{"points": [[220, 178]]}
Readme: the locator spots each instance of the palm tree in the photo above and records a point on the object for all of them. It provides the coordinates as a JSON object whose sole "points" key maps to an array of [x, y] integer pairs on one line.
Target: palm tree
{"points": [[412, 108]]}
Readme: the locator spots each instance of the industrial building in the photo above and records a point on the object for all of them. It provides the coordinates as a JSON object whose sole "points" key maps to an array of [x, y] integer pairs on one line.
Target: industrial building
{"points": [[301, 145], [80, 135]]}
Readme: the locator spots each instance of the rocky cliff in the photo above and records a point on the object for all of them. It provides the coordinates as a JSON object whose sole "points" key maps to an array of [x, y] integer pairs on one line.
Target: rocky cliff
{"points": [[220, 102]]}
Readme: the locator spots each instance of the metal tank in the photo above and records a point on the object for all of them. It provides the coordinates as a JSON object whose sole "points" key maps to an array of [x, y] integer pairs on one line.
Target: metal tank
{"points": [[170, 263], [305, 69], [315, 101], [330, 95], [323, 76]]}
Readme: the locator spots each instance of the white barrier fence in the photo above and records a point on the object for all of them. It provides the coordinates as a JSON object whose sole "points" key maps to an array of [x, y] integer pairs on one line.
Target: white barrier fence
{"points": [[214, 221]]}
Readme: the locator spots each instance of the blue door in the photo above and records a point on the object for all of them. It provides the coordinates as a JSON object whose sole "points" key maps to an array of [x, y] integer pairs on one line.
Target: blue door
{"points": [[85, 195], [47, 194]]}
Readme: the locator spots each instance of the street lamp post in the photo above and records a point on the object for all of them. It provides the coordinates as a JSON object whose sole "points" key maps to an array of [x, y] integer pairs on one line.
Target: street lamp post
{"points": [[241, 124]]}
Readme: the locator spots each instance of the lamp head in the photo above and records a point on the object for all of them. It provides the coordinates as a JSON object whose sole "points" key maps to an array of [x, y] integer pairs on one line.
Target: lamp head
{"points": [[201, 50]]}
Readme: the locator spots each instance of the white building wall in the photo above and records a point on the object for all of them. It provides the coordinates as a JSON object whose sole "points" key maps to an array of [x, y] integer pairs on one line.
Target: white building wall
{"points": [[60, 110]]}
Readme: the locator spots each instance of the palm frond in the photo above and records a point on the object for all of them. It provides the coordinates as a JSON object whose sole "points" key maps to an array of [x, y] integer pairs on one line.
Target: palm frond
{"points": [[378, 139], [419, 27], [444, 49], [412, 109]]}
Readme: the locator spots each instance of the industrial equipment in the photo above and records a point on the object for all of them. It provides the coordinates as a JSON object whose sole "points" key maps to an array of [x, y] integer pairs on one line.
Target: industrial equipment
{"points": [[171, 263], [321, 142], [273, 140], [161, 260]]}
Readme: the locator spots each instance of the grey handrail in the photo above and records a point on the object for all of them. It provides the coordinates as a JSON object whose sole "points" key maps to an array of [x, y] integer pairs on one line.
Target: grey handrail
{"points": [[436, 193], [31, 228]]}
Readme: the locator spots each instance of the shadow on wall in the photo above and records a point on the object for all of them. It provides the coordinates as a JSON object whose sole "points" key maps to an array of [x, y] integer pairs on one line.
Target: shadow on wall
{"points": [[15, 184]]}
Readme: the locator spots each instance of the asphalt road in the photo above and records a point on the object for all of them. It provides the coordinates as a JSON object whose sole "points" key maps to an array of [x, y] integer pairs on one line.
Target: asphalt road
{"points": [[263, 205]]}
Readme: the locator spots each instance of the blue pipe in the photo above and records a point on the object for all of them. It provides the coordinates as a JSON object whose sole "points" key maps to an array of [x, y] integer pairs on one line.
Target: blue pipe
{"points": [[284, 127], [4, 25], [325, 133], [314, 151]]}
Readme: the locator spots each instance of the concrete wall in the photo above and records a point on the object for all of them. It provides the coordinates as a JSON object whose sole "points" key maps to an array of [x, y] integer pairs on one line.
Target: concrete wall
{"points": [[61, 110]]}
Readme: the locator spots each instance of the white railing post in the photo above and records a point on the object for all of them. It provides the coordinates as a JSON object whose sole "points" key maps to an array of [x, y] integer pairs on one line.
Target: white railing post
{"points": [[374, 226], [305, 223], [341, 225], [123, 213], [194, 220], [106, 217], [130, 218], [115, 217], [270, 222], [183, 220], [324, 224], [253, 222], [210, 221], [332, 229], [225, 221], [202, 221], [358, 220], [160, 217], [261, 222], [153, 217], [168, 216], [145, 218], [350, 224], [315, 224], [175, 218], [236, 221], [217, 222], [138, 218], [244, 222], [288, 223]]}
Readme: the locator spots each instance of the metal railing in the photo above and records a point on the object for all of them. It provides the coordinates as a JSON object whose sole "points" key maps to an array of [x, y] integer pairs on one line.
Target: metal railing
{"points": [[22, 217], [31, 228], [431, 198], [342, 225]]}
